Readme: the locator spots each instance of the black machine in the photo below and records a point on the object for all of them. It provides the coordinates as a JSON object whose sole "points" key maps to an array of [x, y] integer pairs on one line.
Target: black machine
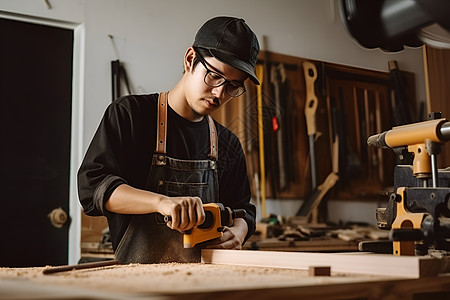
{"points": [[418, 211], [392, 24]]}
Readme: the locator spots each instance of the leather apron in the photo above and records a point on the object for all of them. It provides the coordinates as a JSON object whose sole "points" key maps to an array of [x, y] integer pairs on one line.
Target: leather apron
{"points": [[148, 239]]}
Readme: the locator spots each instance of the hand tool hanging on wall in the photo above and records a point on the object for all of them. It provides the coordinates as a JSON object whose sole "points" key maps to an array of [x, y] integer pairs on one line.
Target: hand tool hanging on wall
{"points": [[349, 164], [310, 205], [277, 78], [271, 160], [268, 111], [311, 102], [401, 109], [262, 171], [118, 72], [310, 72]]}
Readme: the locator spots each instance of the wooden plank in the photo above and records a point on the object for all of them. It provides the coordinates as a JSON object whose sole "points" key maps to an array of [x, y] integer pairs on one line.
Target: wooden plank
{"points": [[313, 245], [369, 264]]}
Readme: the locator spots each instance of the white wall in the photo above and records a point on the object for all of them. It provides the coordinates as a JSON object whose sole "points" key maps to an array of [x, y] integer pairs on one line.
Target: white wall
{"points": [[152, 35]]}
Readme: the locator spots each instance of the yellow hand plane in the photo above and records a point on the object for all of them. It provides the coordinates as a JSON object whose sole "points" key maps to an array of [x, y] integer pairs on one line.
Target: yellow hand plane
{"points": [[216, 217]]}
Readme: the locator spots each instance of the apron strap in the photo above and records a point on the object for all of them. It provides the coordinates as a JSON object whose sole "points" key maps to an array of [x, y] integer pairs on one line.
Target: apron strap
{"points": [[161, 132], [213, 139]]}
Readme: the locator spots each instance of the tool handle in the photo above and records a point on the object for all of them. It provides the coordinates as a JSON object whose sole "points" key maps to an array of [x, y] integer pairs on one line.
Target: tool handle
{"points": [[238, 213], [382, 247], [227, 217], [310, 73], [406, 235], [91, 265], [412, 134], [209, 220]]}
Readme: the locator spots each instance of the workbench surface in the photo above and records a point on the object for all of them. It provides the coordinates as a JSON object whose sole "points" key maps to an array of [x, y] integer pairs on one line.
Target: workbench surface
{"points": [[208, 281]]}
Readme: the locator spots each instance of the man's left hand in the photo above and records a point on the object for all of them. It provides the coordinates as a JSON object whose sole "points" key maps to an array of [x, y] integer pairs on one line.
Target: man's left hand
{"points": [[229, 240], [232, 238]]}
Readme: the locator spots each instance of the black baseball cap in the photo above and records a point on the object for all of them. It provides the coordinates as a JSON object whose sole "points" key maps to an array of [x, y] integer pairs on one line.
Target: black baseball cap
{"points": [[231, 41]]}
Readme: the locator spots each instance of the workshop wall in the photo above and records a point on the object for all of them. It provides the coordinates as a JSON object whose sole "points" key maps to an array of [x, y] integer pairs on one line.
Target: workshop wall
{"points": [[151, 37]]}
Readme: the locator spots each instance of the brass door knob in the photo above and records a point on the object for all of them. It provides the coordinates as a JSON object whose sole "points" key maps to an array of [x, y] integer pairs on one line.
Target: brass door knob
{"points": [[58, 217]]}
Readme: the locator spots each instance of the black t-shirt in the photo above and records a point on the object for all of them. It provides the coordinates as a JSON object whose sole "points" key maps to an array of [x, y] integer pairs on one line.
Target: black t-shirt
{"points": [[122, 148]]}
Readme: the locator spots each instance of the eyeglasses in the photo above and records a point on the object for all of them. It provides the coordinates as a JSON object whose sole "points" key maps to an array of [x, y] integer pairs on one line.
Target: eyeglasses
{"points": [[213, 79]]}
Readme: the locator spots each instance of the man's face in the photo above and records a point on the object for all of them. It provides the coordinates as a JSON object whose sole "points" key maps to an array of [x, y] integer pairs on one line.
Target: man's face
{"points": [[204, 99]]}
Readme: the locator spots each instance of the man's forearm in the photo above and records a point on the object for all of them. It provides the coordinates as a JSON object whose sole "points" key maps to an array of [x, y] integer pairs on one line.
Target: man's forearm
{"points": [[128, 200], [185, 212]]}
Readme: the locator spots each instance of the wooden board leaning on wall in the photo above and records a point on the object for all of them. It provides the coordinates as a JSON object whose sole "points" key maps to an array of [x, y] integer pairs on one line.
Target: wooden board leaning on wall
{"points": [[360, 99], [437, 66]]}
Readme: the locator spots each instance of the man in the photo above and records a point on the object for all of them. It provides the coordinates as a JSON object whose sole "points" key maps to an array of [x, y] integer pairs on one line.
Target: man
{"points": [[162, 154]]}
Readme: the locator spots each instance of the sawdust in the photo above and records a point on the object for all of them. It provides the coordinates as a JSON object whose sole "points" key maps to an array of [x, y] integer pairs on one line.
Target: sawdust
{"points": [[168, 277]]}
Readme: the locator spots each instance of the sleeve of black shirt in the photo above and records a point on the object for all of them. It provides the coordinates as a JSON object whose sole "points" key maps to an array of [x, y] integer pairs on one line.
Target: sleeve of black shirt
{"points": [[234, 186], [100, 173]]}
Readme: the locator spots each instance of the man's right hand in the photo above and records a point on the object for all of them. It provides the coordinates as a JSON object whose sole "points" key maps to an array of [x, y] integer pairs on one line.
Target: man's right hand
{"points": [[185, 212]]}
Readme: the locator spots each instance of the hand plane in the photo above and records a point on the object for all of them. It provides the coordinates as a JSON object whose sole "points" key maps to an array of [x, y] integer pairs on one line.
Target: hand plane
{"points": [[216, 217]]}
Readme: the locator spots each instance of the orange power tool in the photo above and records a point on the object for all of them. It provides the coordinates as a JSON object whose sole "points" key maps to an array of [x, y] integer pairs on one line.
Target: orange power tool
{"points": [[216, 217]]}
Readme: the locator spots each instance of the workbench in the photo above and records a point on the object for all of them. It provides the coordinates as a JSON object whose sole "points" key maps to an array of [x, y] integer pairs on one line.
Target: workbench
{"points": [[234, 274], [292, 237]]}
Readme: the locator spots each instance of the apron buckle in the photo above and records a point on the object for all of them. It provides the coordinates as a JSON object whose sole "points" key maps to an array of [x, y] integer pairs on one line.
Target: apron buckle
{"points": [[161, 160]]}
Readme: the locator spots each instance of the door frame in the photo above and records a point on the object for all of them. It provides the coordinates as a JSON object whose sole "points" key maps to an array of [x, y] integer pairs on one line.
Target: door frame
{"points": [[76, 139]]}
